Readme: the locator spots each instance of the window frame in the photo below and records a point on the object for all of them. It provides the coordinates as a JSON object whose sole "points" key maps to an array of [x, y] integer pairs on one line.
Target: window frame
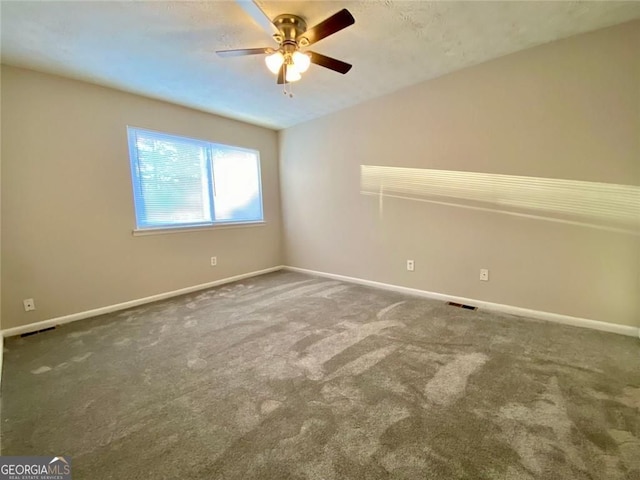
{"points": [[144, 228]]}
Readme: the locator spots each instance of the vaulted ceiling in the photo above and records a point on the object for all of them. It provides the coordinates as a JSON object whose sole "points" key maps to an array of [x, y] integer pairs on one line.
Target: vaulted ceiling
{"points": [[166, 50]]}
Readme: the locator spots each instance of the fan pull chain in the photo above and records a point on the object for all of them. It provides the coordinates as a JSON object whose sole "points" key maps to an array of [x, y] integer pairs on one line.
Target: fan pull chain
{"points": [[284, 89]]}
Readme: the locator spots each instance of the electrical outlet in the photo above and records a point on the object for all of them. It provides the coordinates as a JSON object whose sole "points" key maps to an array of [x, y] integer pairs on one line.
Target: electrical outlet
{"points": [[214, 261], [410, 265], [29, 304], [484, 274]]}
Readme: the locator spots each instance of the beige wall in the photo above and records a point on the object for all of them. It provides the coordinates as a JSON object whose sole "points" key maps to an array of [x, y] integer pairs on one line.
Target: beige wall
{"points": [[67, 208], [567, 110]]}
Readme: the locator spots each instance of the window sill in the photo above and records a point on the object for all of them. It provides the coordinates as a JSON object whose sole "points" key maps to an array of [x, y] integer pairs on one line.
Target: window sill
{"points": [[162, 231]]}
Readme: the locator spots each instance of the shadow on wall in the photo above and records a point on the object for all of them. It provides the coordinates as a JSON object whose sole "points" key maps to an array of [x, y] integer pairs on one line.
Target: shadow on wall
{"points": [[591, 204]]}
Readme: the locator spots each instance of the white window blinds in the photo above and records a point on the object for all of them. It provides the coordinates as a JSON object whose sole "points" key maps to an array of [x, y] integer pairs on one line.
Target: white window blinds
{"points": [[182, 182]]}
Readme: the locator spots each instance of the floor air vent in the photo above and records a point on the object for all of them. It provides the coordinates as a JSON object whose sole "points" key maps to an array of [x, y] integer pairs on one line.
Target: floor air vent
{"points": [[37, 331], [462, 305]]}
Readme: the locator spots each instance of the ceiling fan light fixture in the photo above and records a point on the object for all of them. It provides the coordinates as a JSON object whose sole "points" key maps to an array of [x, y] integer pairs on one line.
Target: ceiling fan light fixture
{"points": [[301, 61], [288, 63], [274, 61], [292, 75]]}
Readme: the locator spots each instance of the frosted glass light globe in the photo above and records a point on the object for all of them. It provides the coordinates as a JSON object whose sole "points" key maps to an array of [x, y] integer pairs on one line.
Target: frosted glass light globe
{"points": [[301, 61], [293, 75], [274, 61]]}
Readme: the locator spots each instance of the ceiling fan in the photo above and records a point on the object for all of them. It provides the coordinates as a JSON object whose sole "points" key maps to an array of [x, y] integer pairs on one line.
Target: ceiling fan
{"points": [[291, 33]]}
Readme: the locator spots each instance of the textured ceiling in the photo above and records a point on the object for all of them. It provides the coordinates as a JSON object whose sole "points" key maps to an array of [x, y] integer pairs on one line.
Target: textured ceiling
{"points": [[166, 50]]}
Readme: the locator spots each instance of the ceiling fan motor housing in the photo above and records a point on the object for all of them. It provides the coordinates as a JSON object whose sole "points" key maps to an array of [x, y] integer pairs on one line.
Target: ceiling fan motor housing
{"points": [[291, 27]]}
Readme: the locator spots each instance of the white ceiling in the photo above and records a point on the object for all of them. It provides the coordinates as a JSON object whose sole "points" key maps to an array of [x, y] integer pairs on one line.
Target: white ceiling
{"points": [[166, 50]]}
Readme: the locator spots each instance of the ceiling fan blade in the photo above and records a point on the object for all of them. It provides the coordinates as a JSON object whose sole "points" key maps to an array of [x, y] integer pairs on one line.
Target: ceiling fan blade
{"points": [[331, 25], [258, 16], [282, 74], [244, 51], [330, 63]]}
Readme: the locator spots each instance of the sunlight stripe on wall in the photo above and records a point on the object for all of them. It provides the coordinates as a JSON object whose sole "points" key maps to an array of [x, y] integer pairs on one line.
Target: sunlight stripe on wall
{"points": [[605, 205]]}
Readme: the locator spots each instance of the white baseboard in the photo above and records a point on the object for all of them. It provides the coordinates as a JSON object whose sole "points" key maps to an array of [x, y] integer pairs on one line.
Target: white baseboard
{"points": [[52, 322], [495, 307]]}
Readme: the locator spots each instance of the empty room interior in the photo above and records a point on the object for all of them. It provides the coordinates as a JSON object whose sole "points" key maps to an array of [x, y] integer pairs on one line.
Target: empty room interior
{"points": [[320, 240]]}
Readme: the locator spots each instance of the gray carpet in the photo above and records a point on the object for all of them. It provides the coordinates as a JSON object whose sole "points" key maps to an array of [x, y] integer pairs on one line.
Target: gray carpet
{"points": [[287, 376]]}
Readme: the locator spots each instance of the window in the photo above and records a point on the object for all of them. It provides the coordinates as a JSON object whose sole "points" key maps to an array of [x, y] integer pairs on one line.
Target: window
{"points": [[182, 182]]}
